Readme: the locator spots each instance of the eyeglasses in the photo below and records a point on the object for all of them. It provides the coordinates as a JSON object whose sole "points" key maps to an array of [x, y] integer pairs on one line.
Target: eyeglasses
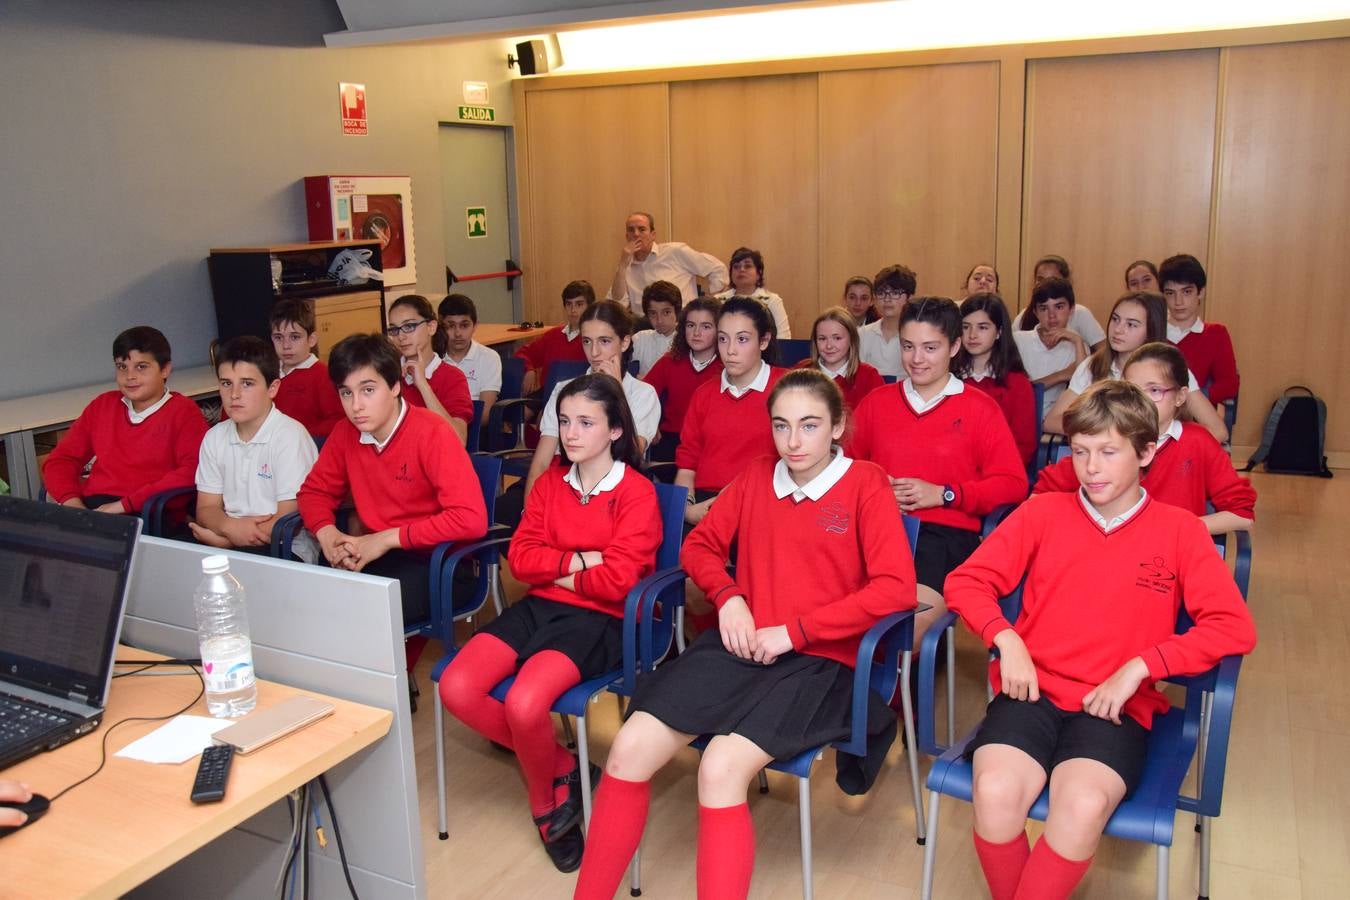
{"points": [[1157, 393], [889, 294], [405, 328]]}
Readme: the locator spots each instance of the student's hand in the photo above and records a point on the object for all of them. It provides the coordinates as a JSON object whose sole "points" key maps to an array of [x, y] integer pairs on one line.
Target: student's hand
{"points": [[77, 502], [419, 375], [771, 643], [335, 545], [530, 383], [116, 507], [245, 531], [591, 558], [1106, 700], [613, 368], [13, 792], [914, 494], [694, 512], [208, 537], [736, 624], [364, 550], [1015, 667]]}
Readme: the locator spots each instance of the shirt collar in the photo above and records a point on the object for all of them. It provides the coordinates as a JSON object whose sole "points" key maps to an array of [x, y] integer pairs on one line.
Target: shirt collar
{"points": [[834, 373], [139, 417], [1175, 334], [369, 438], [608, 483], [308, 361], [784, 486], [953, 387], [431, 367], [1172, 432], [760, 382], [571, 333], [1119, 520], [264, 430], [700, 366]]}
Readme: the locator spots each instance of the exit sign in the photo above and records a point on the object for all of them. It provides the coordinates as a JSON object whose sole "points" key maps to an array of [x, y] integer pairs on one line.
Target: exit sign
{"points": [[477, 114]]}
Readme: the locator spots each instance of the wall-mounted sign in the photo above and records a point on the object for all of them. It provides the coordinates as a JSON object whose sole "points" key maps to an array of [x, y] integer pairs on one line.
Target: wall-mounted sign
{"points": [[475, 221], [477, 114], [352, 99], [476, 93]]}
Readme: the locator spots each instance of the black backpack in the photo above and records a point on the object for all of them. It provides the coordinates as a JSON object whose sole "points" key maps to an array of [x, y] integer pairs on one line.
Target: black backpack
{"points": [[1294, 438]]}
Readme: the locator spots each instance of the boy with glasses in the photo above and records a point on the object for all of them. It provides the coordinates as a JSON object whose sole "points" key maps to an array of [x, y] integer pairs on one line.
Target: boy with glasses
{"points": [[879, 344]]}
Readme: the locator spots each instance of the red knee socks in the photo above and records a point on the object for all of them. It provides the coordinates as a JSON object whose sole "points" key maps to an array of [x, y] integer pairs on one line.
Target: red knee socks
{"points": [[1002, 864], [617, 820], [726, 852], [1049, 876]]}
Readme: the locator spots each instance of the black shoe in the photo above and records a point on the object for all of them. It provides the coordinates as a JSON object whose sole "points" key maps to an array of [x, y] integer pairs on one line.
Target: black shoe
{"points": [[571, 809], [564, 850]]}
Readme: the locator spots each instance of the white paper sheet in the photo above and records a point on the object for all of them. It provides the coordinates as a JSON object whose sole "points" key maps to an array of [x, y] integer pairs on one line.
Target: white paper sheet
{"points": [[176, 741]]}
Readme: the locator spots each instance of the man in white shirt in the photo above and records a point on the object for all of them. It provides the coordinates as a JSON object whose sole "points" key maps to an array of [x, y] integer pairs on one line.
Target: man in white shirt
{"points": [[481, 365], [643, 261]]}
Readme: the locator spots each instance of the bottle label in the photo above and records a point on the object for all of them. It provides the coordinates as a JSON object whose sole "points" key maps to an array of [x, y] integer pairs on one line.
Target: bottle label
{"points": [[225, 674]]}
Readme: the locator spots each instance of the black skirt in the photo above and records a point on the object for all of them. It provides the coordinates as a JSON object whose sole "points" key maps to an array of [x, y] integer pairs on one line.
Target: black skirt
{"points": [[592, 640], [799, 702]]}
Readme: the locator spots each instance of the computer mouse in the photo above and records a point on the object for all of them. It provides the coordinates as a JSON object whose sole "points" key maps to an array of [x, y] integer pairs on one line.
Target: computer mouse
{"points": [[36, 808]]}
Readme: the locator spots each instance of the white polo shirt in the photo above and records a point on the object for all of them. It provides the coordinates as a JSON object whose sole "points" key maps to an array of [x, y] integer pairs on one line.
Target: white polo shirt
{"points": [[1040, 361], [878, 352], [1085, 323], [649, 346], [776, 307], [643, 403], [253, 477], [482, 368]]}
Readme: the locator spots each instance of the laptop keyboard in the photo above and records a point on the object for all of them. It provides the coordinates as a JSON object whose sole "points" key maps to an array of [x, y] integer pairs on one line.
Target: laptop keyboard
{"points": [[20, 721]]}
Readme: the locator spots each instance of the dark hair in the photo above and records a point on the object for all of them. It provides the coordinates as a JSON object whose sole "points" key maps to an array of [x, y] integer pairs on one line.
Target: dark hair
{"points": [[249, 349], [601, 388], [1052, 288], [661, 292], [579, 288], [1155, 329], [360, 350], [762, 319], [1147, 265], [616, 316], [294, 310], [1181, 269], [940, 312], [743, 253], [143, 339], [651, 221], [1167, 356], [816, 383], [679, 347], [857, 279], [1058, 262], [1004, 358], [972, 272], [897, 278], [1114, 404], [458, 305], [422, 306]]}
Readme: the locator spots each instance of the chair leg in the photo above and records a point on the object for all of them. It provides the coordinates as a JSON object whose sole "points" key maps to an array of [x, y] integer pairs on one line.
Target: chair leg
{"points": [[763, 782], [1206, 824], [804, 812], [442, 832], [911, 749], [951, 685], [584, 759], [1206, 703], [635, 874], [679, 630], [930, 848], [495, 586], [1162, 872], [567, 732]]}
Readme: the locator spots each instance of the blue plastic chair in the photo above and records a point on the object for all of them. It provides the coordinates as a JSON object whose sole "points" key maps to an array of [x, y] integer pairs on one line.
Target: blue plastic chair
{"points": [[506, 420], [890, 379], [1199, 730], [475, 427], [876, 669], [152, 512], [641, 614], [1034, 467], [793, 351]]}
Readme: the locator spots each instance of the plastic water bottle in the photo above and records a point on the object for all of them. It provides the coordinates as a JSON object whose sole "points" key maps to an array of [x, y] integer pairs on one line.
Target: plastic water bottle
{"points": [[222, 632]]}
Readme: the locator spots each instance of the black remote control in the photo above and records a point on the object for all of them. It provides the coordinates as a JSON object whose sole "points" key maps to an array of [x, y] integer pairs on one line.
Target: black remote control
{"points": [[212, 772]]}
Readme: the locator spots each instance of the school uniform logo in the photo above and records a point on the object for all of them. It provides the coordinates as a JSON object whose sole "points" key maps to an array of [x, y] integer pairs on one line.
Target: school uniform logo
{"points": [[265, 471], [956, 424], [403, 474], [1186, 466], [1156, 576], [832, 518]]}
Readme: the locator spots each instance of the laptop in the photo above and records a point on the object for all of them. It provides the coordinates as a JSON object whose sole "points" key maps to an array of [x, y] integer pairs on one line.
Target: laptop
{"points": [[63, 584]]}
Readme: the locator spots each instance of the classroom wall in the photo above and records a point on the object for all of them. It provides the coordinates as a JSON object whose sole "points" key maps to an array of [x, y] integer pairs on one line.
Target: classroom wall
{"points": [[1228, 145], [137, 135]]}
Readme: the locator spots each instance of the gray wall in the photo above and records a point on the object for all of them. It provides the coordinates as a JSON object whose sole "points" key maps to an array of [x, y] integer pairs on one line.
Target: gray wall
{"points": [[137, 135]]}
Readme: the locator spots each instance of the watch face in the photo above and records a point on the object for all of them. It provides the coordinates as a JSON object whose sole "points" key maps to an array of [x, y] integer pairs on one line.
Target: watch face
{"points": [[948, 495]]}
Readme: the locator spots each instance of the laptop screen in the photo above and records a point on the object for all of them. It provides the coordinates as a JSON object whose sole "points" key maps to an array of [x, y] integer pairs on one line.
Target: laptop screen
{"points": [[63, 578]]}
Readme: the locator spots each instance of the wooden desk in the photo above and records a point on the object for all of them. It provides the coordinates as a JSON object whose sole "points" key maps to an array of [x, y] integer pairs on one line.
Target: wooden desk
{"points": [[134, 819], [23, 417], [490, 334]]}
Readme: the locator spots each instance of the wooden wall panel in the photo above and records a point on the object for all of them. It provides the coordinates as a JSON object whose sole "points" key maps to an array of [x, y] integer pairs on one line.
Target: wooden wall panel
{"points": [[1119, 165], [908, 172], [593, 155], [1283, 216], [744, 172]]}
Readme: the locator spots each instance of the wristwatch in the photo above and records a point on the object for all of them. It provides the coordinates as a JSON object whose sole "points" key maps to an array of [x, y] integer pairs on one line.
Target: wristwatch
{"points": [[948, 495]]}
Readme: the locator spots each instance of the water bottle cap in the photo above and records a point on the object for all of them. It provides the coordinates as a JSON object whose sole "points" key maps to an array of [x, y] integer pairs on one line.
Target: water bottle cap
{"points": [[215, 565]]}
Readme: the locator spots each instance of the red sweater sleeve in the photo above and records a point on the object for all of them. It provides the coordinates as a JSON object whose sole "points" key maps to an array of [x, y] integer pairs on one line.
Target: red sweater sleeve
{"points": [[61, 471], [1020, 409], [532, 558], [189, 429], [973, 589], [890, 585], [690, 451], [1225, 372], [1223, 624], [462, 516], [326, 485], [1056, 477], [454, 394], [537, 352], [1002, 476], [860, 441], [1224, 487], [631, 553], [707, 547]]}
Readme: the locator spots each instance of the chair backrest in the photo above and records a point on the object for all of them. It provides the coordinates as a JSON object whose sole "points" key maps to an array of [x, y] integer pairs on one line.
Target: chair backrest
{"points": [[488, 468], [1059, 451], [563, 370], [793, 351], [911, 524], [475, 426], [656, 633], [1038, 391], [513, 377], [890, 379], [672, 500]]}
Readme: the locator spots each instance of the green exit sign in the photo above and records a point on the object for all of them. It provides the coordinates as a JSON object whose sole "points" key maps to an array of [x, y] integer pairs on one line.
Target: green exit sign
{"points": [[477, 114]]}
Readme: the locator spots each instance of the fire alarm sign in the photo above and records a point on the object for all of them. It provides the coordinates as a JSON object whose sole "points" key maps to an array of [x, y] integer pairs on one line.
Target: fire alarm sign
{"points": [[352, 98]]}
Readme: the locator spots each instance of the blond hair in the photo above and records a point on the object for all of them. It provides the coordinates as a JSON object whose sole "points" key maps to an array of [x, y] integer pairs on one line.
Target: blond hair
{"points": [[1114, 404], [844, 319]]}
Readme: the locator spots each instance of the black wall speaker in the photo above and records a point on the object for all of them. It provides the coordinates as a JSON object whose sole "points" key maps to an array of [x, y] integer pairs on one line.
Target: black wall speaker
{"points": [[532, 57]]}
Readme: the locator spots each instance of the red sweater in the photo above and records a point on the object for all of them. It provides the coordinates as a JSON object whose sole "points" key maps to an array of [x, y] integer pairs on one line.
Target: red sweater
{"points": [[422, 483], [1093, 600], [722, 433], [826, 569], [675, 381], [1018, 402], [450, 387], [863, 382], [308, 396], [624, 524], [1210, 357], [132, 462], [964, 441], [550, 347], [1189, 473]]}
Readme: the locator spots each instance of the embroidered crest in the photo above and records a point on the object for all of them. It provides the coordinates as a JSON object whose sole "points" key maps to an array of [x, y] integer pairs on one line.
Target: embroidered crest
{"points": [[832, 518], [265, 471], [403, 474], [1156, 576]]}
